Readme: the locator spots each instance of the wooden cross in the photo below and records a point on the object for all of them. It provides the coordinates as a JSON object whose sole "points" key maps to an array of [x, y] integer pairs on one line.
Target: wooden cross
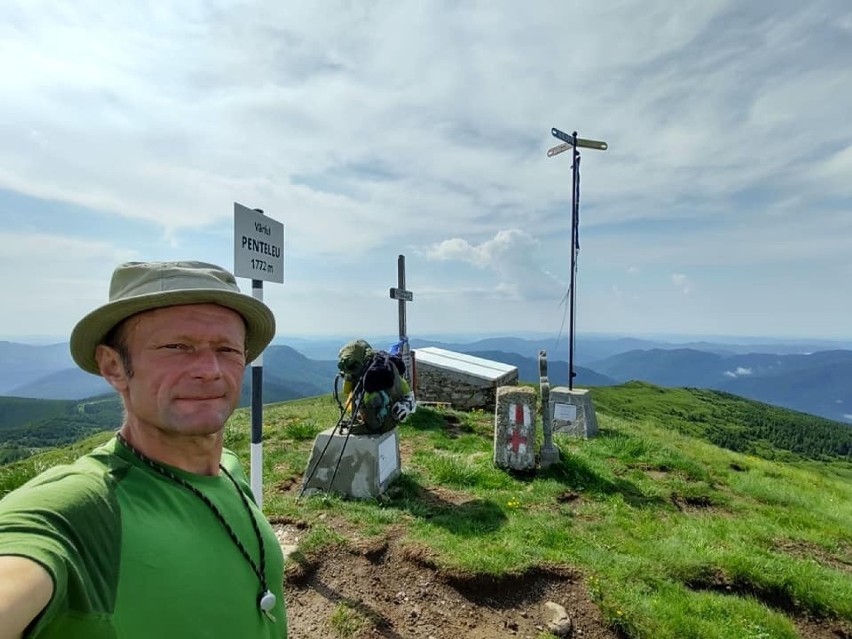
{"points": [[402, 295], [399, 293]]}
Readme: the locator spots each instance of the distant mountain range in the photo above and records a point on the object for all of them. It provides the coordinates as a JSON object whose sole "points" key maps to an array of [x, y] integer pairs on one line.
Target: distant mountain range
{"points": [[557, 371], [287, 374], [785, 374], [817, 383]]}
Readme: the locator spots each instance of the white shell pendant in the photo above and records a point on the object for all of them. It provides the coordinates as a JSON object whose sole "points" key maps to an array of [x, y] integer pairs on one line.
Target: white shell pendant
{"points": [[267, 601]]}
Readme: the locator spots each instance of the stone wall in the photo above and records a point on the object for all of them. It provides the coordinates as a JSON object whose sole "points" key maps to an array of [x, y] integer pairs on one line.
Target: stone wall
{"points": [[463, 392]]}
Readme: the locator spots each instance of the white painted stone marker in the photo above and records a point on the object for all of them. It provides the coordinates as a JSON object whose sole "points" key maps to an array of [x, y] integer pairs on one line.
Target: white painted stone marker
{"points": [[514, 428]]}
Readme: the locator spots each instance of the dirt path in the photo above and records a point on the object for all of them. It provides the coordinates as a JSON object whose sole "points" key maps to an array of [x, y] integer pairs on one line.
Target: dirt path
{"points": [[381, 590]]}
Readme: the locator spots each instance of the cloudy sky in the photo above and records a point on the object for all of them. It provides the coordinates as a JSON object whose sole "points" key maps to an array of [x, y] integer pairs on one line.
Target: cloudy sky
{"points": [[372, 129]]}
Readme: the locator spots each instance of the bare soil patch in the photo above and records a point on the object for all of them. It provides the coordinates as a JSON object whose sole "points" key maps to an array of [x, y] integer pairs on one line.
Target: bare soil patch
{"points": [[687, 503], [804, 550], [397, 592], [808, 626]]}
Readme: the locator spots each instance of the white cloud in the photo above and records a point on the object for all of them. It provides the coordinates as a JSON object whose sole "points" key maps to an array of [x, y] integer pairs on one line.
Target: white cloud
{"points": [[39, 290], [682, 282], [837, 169], [512, 255], [739, 372], [141, 108], [370, 127], [510, 245]]}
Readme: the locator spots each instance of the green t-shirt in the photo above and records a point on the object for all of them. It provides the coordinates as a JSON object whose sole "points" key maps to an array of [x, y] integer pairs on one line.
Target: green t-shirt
{"points": [[132, 554]]}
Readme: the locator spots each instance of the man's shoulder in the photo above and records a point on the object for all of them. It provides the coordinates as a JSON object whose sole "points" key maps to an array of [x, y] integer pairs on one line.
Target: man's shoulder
{"points": [[232, 463]]}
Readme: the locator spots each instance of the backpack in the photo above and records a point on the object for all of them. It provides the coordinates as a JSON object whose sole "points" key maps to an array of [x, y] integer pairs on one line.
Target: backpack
{"points": [[352, 358], [381, 372]]}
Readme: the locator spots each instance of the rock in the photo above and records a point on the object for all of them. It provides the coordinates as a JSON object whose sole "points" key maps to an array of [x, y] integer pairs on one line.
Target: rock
{"points": [[558, 621]]}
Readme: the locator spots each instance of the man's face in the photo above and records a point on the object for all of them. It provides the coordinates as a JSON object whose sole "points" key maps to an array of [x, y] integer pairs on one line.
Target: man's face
{"points": [[188, 364]]}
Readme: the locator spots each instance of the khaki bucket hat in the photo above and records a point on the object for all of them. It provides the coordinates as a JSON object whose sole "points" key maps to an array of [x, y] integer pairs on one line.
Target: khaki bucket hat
{"points": [[144, 286]]}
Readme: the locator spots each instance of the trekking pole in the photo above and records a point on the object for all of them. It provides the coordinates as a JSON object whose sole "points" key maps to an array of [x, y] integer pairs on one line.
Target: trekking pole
{"points": [[337, 395], [355, 409]]}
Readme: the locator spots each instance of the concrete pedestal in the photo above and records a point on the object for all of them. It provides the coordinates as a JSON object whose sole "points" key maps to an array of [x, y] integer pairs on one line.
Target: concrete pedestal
{"points": [[514, 428], [572, 412], [369, 464]]}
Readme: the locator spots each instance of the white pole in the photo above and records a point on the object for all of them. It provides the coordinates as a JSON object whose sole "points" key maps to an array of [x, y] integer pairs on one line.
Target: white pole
{"points": [[257, 410]]}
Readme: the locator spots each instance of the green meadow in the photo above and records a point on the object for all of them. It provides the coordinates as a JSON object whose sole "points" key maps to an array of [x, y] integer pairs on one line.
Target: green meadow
{"points": [[675, 535]]}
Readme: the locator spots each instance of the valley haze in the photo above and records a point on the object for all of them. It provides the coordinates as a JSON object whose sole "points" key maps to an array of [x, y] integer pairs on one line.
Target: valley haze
{"points": [[808, 375]]}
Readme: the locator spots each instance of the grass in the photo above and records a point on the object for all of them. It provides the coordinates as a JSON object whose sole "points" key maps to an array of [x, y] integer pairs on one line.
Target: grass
{"points": [[346, 620], [676, 537], [17, 473]]}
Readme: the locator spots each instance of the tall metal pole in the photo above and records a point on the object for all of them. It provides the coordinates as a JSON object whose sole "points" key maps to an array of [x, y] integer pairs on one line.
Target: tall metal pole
{"points": [[575, 244], [573, 142]]}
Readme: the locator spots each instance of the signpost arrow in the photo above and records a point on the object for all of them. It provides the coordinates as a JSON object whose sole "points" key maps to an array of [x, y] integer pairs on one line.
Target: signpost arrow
{"points": [[589, 144], [559, 148], [401, 294]]}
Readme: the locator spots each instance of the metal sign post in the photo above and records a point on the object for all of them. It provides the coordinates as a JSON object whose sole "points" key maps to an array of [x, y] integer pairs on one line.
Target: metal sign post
{"points": [[258, 255], [574, 143], [404, 296]]}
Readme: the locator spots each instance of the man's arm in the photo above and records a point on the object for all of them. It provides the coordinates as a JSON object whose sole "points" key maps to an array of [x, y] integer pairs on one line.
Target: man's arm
{"points": [[25, 589]]}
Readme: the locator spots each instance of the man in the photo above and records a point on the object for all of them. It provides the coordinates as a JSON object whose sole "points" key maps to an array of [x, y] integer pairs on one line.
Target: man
{"points": [[155, 533], [374, 387]]}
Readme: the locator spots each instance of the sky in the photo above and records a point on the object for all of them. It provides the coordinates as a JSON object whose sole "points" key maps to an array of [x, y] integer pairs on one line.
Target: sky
{"points": [[376, 129]]}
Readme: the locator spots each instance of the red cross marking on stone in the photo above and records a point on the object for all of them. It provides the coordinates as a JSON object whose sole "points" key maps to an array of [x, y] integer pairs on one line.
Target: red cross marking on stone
{"points": [[519, 413], [517, 440]]}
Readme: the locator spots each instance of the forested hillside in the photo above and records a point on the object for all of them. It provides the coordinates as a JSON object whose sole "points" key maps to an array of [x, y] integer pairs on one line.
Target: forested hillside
{"points": [[729, 421], [31, 425]]}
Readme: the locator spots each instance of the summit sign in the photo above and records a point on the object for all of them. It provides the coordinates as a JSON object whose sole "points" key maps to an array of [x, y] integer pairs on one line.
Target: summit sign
{"points": [[258, 245]]}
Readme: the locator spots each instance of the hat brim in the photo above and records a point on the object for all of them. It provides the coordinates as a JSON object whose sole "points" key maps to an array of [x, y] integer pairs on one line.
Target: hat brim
{"points": [[94, 327]]}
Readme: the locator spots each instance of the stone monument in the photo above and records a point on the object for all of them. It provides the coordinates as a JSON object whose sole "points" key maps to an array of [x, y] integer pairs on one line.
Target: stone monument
{"points": [[572, 412], [514, 428], [356, 466]]}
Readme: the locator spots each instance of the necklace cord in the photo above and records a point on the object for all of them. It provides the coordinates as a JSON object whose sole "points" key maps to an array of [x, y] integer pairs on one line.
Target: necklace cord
{"points": [[259, 571]]}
